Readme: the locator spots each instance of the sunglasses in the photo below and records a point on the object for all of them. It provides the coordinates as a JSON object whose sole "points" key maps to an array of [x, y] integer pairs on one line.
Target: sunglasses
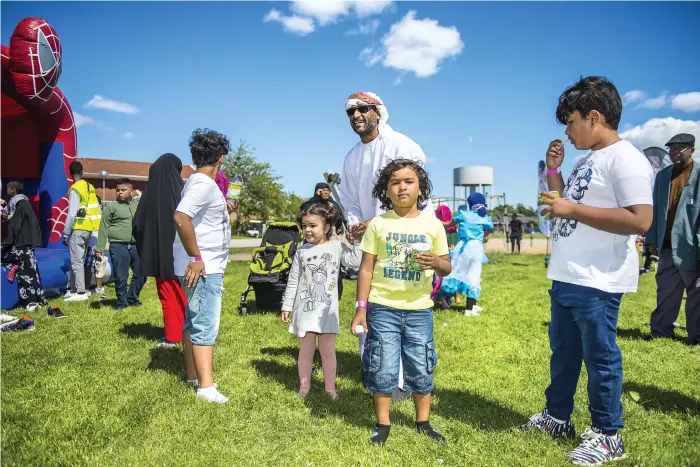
{"points": [[362, 109]]}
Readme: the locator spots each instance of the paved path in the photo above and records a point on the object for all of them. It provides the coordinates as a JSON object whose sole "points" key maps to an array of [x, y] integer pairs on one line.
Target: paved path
{"points": [[245, 243]]}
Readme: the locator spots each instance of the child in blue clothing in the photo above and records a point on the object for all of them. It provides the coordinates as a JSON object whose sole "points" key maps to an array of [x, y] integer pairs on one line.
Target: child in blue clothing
{"points": [[468, 255]]}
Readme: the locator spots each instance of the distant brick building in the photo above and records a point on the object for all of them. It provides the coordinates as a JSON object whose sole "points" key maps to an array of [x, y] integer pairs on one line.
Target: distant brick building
{"points": [[137, 172]]}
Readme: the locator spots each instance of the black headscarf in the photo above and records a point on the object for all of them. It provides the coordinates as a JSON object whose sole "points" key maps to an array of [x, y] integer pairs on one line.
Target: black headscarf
{"points": [[154, 227], [318, 198], [23, 227]]}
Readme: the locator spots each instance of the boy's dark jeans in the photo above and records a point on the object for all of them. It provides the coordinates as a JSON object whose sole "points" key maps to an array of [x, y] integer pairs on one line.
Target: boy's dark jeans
{"points": [[124, 256], [583, 328]]}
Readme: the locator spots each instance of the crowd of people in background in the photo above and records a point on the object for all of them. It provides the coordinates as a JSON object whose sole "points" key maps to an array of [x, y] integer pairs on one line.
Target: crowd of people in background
{"points": [[408, 256]]}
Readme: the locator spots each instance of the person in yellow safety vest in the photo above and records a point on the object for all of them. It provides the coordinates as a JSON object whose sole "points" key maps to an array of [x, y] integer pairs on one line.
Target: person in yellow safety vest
{"points": [[83, 219]]}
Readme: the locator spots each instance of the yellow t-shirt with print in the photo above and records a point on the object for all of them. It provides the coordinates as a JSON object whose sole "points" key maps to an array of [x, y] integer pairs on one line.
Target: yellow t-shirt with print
{"points": [[397, 281]]}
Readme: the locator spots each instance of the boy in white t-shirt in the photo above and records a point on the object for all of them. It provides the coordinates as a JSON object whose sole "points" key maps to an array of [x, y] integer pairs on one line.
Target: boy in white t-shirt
{"points": [[200, 254], [606, 203]]}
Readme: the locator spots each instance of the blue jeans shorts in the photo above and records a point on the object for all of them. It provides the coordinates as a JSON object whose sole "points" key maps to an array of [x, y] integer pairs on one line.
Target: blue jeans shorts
{"points": [[396, 335], [203, 310]]}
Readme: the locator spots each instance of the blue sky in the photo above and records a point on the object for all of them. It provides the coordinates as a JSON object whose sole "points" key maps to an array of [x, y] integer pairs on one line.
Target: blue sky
{"points": [[473, 83]]}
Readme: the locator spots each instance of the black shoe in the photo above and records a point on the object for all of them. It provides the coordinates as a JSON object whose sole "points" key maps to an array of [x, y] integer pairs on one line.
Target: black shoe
{"points": [[136, 304], [119, 307], [55, 312]]}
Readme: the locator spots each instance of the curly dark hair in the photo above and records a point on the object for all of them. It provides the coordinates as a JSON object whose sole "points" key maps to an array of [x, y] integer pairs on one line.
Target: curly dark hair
{"points": [[381, 185], [591, 93], [207, 146], [326, 211]]}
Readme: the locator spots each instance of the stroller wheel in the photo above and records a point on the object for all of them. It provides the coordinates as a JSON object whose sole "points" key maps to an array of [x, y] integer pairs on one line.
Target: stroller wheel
{"points": [[243, 310]]}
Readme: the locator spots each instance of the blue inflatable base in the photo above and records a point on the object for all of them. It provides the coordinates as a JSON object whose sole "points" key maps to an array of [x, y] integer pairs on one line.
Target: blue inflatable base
{"points": [[54, 268]]}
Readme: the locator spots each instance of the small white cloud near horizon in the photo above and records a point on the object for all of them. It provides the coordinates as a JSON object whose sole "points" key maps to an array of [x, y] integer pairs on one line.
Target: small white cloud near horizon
{"points": [[81, 120], [367, 28], [631, 97], [128, 135], [471, 140], [294, 24], [657, 131], [416, 45], [688, 102], [654, 103], [99, 102]]}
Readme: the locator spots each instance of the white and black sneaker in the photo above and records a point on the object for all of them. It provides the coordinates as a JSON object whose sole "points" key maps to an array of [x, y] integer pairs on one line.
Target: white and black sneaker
{"points": [[548, 424], [597, 448]]}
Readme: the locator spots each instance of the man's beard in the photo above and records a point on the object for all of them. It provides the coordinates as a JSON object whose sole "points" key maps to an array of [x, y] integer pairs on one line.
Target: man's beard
{"points": [[369, 127]]}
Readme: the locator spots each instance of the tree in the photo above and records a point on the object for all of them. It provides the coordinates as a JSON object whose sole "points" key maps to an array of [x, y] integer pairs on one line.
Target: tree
{"points": [[294, 202], [262, 196]]}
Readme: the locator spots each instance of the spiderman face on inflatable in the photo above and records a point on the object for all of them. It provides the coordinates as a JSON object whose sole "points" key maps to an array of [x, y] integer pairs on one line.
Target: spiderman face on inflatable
{"points": [[39, 141]]}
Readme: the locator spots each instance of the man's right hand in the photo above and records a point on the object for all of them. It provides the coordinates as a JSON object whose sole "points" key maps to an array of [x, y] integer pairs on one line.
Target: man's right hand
{"points": [[356, 231], [555, 154], [65, 239]]}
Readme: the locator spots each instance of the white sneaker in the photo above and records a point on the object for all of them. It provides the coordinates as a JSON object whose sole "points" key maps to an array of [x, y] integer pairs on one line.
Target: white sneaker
{"points": [[211, 394], [99, 290], [78, 297], [68, 294], [31, 307], [476, 310], [4, 318]]}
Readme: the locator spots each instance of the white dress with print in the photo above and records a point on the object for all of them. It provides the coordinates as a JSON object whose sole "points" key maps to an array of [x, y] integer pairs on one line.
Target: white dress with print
{"points": [[312, 289]]}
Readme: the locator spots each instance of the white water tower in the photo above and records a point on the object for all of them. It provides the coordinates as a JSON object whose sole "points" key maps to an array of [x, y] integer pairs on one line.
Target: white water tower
{"points": [[468, 180]]}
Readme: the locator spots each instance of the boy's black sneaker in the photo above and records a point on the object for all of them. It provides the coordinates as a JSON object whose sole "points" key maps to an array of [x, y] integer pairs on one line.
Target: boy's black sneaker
{"points": [[547, 424], [55, 312]]}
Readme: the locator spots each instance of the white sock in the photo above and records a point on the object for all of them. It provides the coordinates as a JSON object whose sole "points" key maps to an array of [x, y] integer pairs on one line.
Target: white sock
{"points": [[211, 394]]}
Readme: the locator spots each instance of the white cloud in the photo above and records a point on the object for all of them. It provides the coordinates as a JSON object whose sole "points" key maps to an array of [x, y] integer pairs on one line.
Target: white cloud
{"points": [[688, 102], [417, 46], [657, 131], [99, 102], [654, 103], [471, 140], [128, 135], [365, 8], [306, 13], [631, 97], [323, 11], [81, 119], [369, 27], [369, 56], [294, 24]]}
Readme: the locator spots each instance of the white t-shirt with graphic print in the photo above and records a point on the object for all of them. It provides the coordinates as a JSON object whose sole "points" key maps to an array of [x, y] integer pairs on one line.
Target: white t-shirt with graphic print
{"points": [[617, 176], [205, 204]]}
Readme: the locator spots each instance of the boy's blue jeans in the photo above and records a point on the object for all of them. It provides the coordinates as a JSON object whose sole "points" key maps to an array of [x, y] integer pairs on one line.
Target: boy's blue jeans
{"points": [[583, 328]]}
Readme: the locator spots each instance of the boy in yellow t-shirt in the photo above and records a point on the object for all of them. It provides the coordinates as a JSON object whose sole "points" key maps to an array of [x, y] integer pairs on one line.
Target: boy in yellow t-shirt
{"points": [[401, 249]]}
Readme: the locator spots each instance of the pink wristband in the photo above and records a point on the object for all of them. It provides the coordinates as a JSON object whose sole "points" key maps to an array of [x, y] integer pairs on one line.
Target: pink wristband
{"points": [[554, 171], [360, 304], [197, 258]]}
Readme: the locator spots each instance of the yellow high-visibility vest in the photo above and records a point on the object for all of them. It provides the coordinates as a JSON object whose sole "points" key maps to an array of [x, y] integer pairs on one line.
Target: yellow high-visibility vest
{"points": [[88, 201]]}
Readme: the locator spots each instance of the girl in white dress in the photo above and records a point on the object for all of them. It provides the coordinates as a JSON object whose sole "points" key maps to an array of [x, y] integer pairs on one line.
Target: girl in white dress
{"points": [[311, 296]]}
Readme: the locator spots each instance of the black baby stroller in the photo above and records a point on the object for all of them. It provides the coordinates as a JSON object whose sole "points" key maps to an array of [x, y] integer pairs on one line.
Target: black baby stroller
{"points": [[269, 269]]}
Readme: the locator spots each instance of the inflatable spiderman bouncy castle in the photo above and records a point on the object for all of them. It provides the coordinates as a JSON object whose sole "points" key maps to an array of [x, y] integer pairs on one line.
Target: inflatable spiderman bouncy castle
{"points": [[39, 143]]}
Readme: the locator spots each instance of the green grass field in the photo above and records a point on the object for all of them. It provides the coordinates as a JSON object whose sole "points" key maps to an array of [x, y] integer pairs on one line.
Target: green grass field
{"points": [[93, 389]]}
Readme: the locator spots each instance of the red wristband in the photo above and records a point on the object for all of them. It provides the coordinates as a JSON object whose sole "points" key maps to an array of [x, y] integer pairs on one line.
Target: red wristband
{"points": [[197, 258], [554, 171]]}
